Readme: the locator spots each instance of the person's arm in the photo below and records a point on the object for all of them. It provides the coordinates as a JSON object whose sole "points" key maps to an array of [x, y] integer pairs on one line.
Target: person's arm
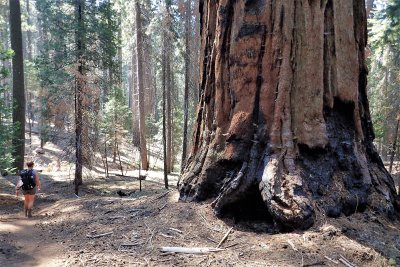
{"points": [[18, 186], [37, 180]]}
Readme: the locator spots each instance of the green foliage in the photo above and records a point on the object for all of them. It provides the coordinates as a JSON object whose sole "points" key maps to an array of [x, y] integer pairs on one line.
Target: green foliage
{"points": [[116, 116], [384, 78], [6, 126]]}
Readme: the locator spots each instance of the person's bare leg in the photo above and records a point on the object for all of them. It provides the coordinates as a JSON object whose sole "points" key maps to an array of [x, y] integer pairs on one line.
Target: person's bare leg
{"points": [[29, 205], [26, 204]]}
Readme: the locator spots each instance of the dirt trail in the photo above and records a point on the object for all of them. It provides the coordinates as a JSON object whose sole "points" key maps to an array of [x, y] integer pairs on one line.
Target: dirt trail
{"points": [[25, 243]]}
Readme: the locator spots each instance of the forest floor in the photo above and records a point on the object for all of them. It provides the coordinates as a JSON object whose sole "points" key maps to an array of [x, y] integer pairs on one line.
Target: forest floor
{"points": [[100, 228]]}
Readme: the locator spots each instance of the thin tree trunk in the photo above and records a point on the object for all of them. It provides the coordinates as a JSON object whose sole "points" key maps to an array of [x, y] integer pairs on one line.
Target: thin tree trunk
{"points": [[79, 94], [106, 155], [134, 101], [139, 65], [120, 162], [30, 57], [187, 73], [18, 84], [165, 88], [369, 4], [168, 51], [393, 150]]}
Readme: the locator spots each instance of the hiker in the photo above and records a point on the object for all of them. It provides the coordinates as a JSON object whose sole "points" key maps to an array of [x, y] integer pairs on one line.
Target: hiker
{"points": [[30, 184]]}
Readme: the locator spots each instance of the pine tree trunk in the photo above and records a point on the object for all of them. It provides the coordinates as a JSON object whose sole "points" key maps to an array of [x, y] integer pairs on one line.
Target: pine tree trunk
{"points": [[139, 65], [168, 104], [394, 144], [134, 103], [18, 84], [166, 88], [30, 57], [79, 94], [283, 127]]}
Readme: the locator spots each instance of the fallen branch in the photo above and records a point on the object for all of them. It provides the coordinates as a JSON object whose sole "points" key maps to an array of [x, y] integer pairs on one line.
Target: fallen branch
{"points": [[194, 250], [318, 263], [224, 238], [346, 261], [161, 195], [235, 244], [160, 209], [329, 259], [99, 235], [131, 244]]}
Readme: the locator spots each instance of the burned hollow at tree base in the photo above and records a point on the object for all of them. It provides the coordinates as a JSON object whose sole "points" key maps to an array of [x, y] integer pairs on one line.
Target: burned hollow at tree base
{"points": [[283, 109]]}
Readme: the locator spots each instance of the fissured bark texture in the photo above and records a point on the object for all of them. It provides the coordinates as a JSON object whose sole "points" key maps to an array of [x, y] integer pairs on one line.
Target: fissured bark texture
{"points": [[283, 109]]}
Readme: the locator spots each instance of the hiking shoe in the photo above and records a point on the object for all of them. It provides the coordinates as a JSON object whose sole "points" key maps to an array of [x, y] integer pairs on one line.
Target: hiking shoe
{"points": [[29, 213], [26, 212]]}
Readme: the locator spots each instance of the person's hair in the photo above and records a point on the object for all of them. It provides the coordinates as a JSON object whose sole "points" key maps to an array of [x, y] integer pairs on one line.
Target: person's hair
{"points": [[29, 164]]}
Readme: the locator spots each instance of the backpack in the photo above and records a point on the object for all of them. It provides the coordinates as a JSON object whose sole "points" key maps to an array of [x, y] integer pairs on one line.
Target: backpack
{"points": [[28, 179]]}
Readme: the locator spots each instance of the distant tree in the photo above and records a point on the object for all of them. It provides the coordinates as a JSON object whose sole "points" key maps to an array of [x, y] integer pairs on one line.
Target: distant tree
{"points": [[140, 89]]}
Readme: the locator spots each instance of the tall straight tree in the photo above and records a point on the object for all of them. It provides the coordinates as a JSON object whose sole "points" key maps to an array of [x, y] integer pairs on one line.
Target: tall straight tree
{"points": [[140, 89], [18, 83], [79, 92], [283, 128], [188, 13], [29, 50], [168, 75], [166, 88]]}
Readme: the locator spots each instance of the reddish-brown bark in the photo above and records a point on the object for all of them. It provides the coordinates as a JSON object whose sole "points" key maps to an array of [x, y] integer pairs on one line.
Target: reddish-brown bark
{"points": [[283, 114]]}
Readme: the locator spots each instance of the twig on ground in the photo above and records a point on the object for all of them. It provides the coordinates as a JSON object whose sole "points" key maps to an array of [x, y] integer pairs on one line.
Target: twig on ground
{"points": [[329, 259], [135, 210], [318, 263], [161, 195], [132, 244], [117, 217], [193, 250], [175, 230], [162, 207], [235, 244], [212, 240], [292, 245], [346, 261], [163, 260], [99, 235], [164, 235], [224, 238]]}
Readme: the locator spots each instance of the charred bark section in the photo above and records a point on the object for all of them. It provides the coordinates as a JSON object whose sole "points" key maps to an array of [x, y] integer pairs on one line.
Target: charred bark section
{"points": [[283, 121]]}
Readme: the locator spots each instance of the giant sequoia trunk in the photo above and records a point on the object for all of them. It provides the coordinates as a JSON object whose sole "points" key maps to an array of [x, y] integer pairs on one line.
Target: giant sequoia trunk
{"points": [[283, 125]]}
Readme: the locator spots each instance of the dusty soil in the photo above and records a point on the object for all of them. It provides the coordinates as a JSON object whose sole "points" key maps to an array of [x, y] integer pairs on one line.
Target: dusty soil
{"points": [[103, 229], [66, 231]]}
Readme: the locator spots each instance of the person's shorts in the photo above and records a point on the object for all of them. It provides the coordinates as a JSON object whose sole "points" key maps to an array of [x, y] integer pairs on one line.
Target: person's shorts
{"points": [[30, 191]]}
